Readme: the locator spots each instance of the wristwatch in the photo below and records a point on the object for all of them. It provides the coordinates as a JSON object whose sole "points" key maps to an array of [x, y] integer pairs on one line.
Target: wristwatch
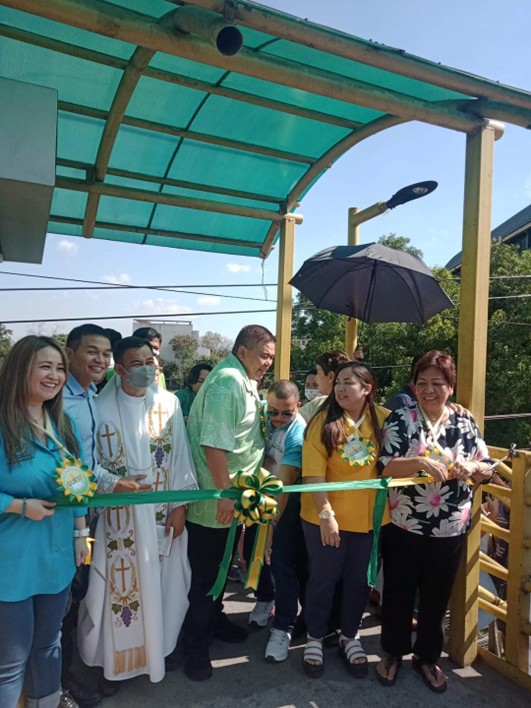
{"points": [[81, 533], [327, 514]]}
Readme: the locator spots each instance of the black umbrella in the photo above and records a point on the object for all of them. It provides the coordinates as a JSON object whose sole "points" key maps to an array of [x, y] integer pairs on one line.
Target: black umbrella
{"points": [[371, 282]]}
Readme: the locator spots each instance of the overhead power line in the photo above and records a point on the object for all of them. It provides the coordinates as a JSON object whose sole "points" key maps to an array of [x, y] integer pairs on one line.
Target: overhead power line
{"points": [[127, 286], [132, 317]]}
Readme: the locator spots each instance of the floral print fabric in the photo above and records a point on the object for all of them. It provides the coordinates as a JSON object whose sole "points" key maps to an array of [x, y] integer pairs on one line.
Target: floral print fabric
{"points": [[440, 509]]}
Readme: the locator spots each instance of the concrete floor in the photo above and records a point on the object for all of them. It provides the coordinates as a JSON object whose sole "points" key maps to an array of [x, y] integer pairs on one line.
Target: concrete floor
{"points": [[242, 679]]}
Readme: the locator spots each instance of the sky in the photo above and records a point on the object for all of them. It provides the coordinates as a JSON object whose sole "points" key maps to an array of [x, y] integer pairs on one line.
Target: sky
{"points": [[484, 37]]}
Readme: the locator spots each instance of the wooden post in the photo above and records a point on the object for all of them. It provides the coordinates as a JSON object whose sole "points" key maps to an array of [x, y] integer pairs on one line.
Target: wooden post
{"points": [[351, 325], [285, 301], [471, 370], [519, 566]]}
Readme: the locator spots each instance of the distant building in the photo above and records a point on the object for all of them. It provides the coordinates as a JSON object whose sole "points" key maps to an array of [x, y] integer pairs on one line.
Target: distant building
{"points": [[170, 329], [516, 231]]}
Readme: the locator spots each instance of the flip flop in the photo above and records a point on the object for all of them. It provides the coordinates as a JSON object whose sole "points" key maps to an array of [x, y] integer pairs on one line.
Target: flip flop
{"points": [[389, 662], [419, 666]]}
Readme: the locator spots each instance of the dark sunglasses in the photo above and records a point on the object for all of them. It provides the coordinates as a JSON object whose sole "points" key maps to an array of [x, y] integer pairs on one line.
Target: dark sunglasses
{"points": [[281, 414]]}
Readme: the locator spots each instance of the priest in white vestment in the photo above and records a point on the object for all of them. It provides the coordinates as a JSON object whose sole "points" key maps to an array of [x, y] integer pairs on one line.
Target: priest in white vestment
{"points": [[137, 598]]}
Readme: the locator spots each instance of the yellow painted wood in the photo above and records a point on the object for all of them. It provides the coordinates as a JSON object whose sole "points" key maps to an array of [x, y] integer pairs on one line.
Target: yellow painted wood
{"points": [[502, 493], [519, 565], [493, 567], [351, 325], [285, 296], [505, 668], [472, 362], [492, 527], [492, 609]]}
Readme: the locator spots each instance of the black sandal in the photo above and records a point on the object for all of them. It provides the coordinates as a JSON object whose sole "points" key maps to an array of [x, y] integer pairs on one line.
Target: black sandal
{"points": [[388, 662], [419, 667]]}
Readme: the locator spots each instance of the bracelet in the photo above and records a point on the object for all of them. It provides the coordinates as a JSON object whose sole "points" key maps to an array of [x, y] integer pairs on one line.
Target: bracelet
{"points": [[81, 533], [24, 507]]}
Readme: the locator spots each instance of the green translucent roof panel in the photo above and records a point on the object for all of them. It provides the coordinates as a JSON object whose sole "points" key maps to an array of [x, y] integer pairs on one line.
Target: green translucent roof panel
{"points": [[201, 151]]}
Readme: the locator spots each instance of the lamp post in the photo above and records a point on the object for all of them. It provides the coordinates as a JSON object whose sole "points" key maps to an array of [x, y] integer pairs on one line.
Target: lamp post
{"points": [[357, 217]]}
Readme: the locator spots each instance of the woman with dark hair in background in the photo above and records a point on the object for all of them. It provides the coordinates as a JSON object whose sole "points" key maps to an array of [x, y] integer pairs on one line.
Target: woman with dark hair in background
{"points": [[195, 379], [40, 544]]}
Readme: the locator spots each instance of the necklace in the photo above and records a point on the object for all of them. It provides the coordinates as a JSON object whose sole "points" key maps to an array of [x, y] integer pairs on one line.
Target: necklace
{"points": [[40, 421], [433, 430], [432, 425]]}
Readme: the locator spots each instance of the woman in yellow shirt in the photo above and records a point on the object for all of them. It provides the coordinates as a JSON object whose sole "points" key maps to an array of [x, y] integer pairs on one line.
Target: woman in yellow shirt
{"points": [[342, 444]]}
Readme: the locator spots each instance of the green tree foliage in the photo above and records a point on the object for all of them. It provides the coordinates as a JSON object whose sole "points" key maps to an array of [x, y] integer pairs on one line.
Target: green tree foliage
{"points": [[389, 347], [509, 347], [400, 243], [60, 337], [219, 345], [5, 342], [184, 347]]}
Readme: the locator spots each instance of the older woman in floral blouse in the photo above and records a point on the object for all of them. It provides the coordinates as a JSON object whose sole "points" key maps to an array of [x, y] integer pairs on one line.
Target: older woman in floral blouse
{"points": [[421, 548]]}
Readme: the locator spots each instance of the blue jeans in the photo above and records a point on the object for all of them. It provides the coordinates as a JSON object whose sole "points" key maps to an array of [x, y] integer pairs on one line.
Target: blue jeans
{"points": [[289, 565], [30, 647]]}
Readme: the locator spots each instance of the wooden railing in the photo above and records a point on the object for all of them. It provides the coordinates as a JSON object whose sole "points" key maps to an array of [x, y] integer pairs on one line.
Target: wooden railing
{"points": [[512, 658]]}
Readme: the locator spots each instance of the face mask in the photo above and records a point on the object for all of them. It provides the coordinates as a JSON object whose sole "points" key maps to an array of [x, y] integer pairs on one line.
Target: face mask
{"points": [[311, 393], [141, 377]]}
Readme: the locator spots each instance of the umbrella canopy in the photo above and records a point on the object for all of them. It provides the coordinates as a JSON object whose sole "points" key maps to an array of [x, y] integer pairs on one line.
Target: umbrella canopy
{"points": [[371, 282]]}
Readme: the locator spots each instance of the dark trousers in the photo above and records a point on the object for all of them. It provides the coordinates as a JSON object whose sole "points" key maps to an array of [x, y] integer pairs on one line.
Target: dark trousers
{"points": [[330, 565], [206, 547], [289, 565], [265, 592], [412, 563]]}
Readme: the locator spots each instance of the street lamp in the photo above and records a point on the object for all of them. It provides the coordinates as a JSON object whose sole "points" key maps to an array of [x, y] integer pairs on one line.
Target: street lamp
{"points": [[357, 217]]}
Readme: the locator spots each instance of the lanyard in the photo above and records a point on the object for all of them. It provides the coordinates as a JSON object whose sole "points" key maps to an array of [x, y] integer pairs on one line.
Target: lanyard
{"points": [[48, 430], [356, 425], [434, 431]]}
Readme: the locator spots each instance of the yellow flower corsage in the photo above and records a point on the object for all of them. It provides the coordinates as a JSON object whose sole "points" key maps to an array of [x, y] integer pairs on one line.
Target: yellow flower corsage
{"points": [[75, 480], [357, 451]]}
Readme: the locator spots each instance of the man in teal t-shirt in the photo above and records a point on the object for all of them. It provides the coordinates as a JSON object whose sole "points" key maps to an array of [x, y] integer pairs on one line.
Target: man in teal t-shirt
{"points": [[225, 431]]}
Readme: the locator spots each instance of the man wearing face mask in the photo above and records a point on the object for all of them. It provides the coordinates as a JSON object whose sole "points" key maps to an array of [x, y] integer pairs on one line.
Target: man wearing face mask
{"points": [[139, 578]]}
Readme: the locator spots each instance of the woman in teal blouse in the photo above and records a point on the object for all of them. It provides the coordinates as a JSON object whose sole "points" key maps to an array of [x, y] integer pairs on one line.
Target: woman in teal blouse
{"points": [[40, 545]]}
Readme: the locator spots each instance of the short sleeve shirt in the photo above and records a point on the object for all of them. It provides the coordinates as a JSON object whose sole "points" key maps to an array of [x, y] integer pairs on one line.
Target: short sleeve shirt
{"points": [[353, 508], [225, 415], [440, 509], [284, 445]]}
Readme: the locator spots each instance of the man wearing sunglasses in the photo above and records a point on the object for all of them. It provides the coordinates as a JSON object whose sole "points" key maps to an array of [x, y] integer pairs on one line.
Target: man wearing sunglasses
{"points": [[289, 562]]}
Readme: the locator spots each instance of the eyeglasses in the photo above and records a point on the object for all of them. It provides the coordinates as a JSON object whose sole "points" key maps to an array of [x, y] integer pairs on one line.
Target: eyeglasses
{"points": [[281, 414]]}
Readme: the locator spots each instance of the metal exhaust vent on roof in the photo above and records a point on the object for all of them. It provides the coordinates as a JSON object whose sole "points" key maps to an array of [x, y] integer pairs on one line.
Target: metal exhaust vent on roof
{"points": [[226, 37]]}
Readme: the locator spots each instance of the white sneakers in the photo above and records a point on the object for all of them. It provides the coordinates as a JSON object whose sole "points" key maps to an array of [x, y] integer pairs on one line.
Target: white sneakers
{"points": [[260, 614], [277, 648]]}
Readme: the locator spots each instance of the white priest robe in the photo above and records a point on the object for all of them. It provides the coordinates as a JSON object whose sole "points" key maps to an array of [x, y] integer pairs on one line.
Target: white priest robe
{"points": [[136, 601]]}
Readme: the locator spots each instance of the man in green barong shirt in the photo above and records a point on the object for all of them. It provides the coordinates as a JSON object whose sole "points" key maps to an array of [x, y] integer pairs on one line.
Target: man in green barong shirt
{"points": [[226, 436]]}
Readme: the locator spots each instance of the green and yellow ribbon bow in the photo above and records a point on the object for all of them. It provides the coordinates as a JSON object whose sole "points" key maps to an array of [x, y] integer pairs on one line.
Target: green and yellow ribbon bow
{"points": [[254, 506]]}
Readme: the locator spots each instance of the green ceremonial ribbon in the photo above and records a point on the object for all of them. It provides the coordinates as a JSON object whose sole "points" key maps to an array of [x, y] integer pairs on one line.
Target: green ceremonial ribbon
{"points": [[253, 505], [192, 495]]}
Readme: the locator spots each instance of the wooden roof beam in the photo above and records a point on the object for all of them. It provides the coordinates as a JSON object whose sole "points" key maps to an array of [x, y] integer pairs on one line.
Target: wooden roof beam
{"points": [[177, 79], [189, 134], [390, 59], [144, 195], [128, 26], [107, 225], [88, 168]]}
